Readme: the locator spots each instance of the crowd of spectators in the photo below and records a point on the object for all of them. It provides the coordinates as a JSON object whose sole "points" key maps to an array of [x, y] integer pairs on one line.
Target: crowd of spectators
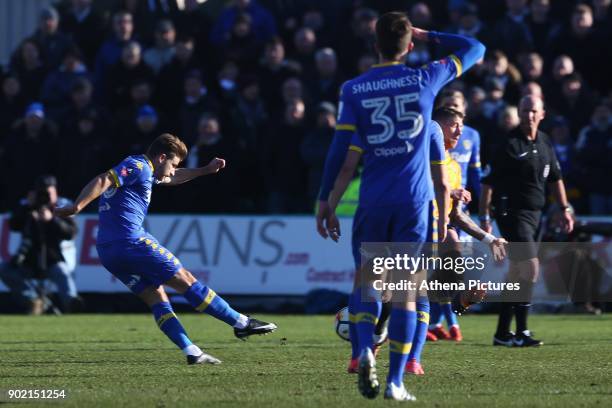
{"points": [[257, 81]]}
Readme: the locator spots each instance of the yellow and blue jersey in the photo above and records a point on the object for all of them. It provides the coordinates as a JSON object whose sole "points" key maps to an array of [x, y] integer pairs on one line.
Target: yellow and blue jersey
{"points": [[124, 206], [467, 154], [389, 108]]}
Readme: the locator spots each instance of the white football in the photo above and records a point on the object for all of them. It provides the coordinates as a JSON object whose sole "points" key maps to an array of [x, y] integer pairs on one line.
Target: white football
{"points": [[341, 324]]}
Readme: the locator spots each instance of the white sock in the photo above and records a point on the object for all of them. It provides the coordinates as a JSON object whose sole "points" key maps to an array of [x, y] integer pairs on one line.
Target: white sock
{"points": [[192, 350], [242, 322]]}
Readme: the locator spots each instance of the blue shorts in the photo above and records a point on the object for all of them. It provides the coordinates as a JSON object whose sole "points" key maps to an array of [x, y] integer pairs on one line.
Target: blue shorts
{"points": [[139, 263], [397, 223]]}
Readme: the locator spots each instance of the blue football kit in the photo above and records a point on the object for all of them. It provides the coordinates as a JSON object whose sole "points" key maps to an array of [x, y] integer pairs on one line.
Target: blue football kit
{"points": [[467, 154]]}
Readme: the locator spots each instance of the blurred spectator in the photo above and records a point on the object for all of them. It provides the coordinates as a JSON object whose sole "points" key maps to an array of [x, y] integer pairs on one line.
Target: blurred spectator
{"points": [[29, 67], [511, 32], [219, 193], [263, 23], [494, 100], [242, 46], [110, 51], [121, 75], [197, 101], [287, 182], [81, 99], [542, 25], [532, 66], [140, 95], [147, 13], [563, 144], [52, 42], [164, 49], [469, 23], [31, 149], [86, 26], [532, 88], [357, 40], [602, 13], [145, 128], [506, 121], [365, 62], [314, 147], [12, 105], [304, 47], [226, 81], [327, 81], [46, 251], [169, 95], [561, 67], [501, 69], [273, 70], [56, 88], [576, 102], [593, 151], [87, 149]]}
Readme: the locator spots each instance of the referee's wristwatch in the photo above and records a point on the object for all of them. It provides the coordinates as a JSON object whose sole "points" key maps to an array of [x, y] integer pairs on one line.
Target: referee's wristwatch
{"points": [[567, 209]]}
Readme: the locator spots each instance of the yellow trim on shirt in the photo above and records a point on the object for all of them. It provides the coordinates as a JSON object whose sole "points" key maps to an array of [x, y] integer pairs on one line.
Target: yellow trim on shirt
{"points": [[356, 149], [446, 160], [115, 178], [475, 165], [351, 128], [387, 64], [458, 64]]}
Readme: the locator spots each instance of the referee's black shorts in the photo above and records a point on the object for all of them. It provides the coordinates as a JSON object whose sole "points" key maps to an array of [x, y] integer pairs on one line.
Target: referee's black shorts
{"points": [[520, 226]]}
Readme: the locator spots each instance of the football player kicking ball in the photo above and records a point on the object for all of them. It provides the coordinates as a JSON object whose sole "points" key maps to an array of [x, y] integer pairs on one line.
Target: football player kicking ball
{"points": [[444, 133], [389, 108], [137, 259]]}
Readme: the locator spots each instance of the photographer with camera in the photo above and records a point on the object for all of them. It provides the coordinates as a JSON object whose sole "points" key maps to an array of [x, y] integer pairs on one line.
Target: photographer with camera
{"points": [[46, 251]]}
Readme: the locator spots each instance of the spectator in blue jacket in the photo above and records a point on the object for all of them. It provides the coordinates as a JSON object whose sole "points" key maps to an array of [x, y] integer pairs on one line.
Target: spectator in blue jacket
{"points": [[263, 23]]}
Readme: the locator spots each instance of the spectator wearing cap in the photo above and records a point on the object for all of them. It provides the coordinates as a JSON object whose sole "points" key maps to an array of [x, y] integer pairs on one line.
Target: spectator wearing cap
{"points": [[47, 249], [86, 26], [593, 152], [110, 51], [28, 65], [327, 80], [126, 71], [263, 23], [164, 49], [168, 95], [30, 150], [55, 92], [315, 145], [198, 99], [52, 41]]}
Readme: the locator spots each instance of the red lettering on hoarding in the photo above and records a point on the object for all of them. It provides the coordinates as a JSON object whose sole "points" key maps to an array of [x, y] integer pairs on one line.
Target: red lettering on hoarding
{"points": [[313, 275], [89, 244], [4, 240]]}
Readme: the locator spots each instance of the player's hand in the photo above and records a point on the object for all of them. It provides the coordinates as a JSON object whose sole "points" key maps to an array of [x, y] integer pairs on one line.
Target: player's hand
{"points": [[323, 211], [567, 222], [45, 214], [442, 229], [333, 226], [498, 248], [65, 211], [215, 165], [461, 194], [420, 34]]}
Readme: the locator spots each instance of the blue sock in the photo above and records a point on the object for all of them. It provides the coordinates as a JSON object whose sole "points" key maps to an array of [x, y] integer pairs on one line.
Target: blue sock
{"points": [[170, 325], [401, 332], [435, 316], [353, 326], [420, 333], [367, 307], [204, 299], [449, 315]]}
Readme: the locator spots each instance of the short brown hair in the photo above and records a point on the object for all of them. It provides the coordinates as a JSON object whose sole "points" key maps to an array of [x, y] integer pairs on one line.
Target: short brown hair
{"points": [[393, 34], [169, 145], [444, 114]]}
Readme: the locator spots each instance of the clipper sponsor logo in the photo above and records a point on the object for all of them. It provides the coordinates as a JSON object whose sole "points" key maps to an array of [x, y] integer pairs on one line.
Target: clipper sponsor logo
{"points": [[393, 151]]}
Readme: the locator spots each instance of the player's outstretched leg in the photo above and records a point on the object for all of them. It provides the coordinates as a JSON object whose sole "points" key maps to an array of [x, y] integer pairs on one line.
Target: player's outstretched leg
{"points": [[205, 300], [413, 366], [368, 306], [401, 332], [170, 325]]}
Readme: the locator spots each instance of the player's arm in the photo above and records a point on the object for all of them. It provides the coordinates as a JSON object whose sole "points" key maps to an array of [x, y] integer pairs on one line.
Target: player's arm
{"points": [[183, 175], [90, 192], [464, 222], [442, 192], [484, 207]]}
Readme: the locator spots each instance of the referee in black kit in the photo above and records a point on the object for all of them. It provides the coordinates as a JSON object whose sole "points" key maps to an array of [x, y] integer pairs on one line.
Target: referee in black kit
{"points": [[522, 168]]}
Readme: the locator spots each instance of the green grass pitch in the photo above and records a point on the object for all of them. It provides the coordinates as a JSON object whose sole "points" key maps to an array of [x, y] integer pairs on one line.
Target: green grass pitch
{"points": [[123, 360]]}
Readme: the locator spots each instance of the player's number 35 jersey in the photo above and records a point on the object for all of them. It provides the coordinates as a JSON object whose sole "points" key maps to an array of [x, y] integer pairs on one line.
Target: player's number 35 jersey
{"points": [[389, 108]]}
